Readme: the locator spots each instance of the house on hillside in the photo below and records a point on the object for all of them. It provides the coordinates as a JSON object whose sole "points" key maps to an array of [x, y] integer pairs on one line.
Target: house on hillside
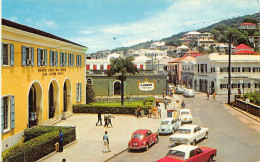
{"points": [[247, 26], [243, 47]]}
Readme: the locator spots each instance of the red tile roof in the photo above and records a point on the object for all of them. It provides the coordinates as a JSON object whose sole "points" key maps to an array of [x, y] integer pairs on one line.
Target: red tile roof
{"points": [[243, 46], [192, 53], [247, 24], [245, 52]]}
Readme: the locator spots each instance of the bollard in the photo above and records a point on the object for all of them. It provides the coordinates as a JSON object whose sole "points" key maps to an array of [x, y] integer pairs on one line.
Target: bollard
{"points": [[57, 147]]}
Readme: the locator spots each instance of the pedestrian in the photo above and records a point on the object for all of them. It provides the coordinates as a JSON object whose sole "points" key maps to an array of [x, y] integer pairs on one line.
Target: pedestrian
{"points": [[109, 119], [149, 111], [165, 103], [63, 160], [138, 112], [159, 112], [163, 93], [183, 104], [60, 140], [106, 142], [208, 94], [214, 95], [154, 111], [105, 119], [99, 118]]}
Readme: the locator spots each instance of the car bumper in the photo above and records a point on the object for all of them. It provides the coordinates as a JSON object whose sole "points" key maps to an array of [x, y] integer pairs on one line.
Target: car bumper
{"points": [[136, 148], [186, 121], [176, 141]]}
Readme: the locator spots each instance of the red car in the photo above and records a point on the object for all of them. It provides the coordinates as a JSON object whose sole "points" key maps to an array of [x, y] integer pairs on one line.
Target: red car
{"points": [[142, 139], [189, 153]]}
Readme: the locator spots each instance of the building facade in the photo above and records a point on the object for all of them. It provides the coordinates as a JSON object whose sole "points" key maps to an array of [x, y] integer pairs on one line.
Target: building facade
{"points": [[42, 77]]}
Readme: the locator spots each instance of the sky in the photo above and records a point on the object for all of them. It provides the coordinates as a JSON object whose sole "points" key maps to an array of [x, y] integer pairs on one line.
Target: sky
{"points": [[108, 24]]}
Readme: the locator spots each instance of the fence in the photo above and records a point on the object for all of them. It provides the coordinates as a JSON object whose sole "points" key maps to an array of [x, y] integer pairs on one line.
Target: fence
{"points": [[248, 107]]}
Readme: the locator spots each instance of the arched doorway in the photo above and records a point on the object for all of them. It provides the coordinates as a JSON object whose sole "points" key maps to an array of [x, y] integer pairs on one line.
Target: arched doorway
{"points": [[66, 96], [53, 99], [34, 105], [117, 88]]}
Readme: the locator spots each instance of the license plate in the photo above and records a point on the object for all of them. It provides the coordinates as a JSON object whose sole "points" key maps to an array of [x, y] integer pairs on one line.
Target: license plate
{"points": [[135, 143]]}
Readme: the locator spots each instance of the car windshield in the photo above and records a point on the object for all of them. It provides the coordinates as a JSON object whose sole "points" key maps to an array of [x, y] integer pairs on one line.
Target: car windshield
{"points": [[164, 122], [185, 113], [183, 131], [177, 154], [137, 136]]}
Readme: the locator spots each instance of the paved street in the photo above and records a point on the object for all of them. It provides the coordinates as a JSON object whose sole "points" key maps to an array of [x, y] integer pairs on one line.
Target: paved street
{"points": [[236, 137]]}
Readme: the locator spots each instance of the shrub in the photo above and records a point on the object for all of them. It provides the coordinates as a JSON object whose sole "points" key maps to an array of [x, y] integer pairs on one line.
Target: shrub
{"points": [[90, 94], [40, 142], [253, 96]]}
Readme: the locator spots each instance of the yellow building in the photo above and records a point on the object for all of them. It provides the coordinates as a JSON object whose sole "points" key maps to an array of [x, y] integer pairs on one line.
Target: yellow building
{"points": [[42, 77]]}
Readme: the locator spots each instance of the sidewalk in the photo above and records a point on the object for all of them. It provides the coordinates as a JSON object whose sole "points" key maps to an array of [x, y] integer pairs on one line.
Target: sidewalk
{"points": [[89, 143]]}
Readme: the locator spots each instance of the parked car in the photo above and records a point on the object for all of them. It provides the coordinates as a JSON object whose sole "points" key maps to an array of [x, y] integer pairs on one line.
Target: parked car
{"points": [[189, 134], [185, 116], [179, 90], [184, 88], [142, 139], [189, 93], [187, 153], [169, 125]]}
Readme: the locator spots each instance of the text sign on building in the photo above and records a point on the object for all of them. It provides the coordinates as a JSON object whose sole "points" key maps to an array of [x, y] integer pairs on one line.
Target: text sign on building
{"points": [[146, 86]]}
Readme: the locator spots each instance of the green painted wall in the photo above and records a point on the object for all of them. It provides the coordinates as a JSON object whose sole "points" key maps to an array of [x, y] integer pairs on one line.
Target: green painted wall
{"points": [[103, 85]]}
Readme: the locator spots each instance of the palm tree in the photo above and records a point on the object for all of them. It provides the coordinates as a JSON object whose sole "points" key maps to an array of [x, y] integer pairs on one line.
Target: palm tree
{"points": [[123, 66]]}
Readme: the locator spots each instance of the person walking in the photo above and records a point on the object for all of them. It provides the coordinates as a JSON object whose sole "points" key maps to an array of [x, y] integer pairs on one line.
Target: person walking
{"points": [[149, 111], [183, 104], [138, 112], [208, 94], [60, 140], [163, 93], [165, 103], [159, 112], [214, 95], [109, 119], [154, 111], [106, 142], [99, 118], [105, 120]]}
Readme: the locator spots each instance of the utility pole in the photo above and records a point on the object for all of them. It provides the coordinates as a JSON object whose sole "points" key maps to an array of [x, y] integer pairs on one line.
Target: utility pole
{"points": [[229, 68]]}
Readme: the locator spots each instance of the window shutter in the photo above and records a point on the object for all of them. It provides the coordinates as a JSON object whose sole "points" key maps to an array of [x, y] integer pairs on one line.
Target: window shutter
{"points": [[23, 56], [80, 60], [68, 59], [12, 112], [80, 92], [2, 54], [57, 58], [77, 92], [65, 58], [39, 57], [60, 58], [12, 54], [32, 52], [45, 57], [2, 113], [51, 63], [73, 60]]}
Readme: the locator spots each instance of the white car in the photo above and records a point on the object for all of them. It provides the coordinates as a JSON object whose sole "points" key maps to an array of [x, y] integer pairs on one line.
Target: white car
{"points": [[185, 116], [189, 93], [169, 125], [189, 134]]}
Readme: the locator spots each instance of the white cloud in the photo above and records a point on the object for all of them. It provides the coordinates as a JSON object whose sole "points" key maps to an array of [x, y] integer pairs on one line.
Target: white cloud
{"points": [[86, 32], [48, 23]]}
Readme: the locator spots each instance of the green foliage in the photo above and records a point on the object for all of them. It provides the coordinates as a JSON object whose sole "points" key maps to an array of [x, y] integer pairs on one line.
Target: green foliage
{"points": [[223, 39], [250, 20], [256, 34], [253, 96], [150, 99], [39, 142], [90, 94]]}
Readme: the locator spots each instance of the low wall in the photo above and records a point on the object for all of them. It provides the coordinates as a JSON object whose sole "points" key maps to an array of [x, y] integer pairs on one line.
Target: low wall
{"points": [[250, 108]]}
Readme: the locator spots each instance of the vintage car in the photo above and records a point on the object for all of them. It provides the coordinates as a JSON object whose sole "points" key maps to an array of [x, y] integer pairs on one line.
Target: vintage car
{"points": [[189, 93], [185, 116], [169, 125], [187, 153], [179, 89], [142, 139], [189, 134]]}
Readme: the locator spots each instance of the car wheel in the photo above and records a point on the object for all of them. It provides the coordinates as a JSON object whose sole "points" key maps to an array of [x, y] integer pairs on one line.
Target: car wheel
{"points": [[146, 147], [206, 135], [173, 130], [194, 142], [156, 139], [210, 158]]}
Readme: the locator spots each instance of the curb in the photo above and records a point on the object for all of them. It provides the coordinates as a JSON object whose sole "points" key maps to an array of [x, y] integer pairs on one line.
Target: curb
{"points": [[245, 113]]}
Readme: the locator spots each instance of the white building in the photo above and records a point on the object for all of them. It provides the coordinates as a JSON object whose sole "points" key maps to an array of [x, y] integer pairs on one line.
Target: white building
{"points": [[188, 69], [181, 50], [157, 44], [212, 73]]}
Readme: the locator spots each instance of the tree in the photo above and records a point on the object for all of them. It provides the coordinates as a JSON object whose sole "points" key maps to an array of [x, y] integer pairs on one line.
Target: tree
{"points": [[90, 94], [122, 66], [236, 36], [250, 20]]}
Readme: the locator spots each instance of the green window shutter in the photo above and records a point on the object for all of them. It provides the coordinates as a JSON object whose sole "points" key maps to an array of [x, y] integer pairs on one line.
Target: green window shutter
{"points": [[2, 114], [77, 60], [12, 54], [80, 92], [39, 57], [51, 63], [73, 60], [23, 56], [45, 55], [77, 92], [32, 52], [69, 59], [60, 58], [57, 58], [12, 112], [65, 58]]}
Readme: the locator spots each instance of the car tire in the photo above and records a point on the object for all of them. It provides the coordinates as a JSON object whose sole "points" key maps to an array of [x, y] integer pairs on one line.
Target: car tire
{"points": [[193, 142], [146, 147], [210, 158], [206, 135], [173, 130], [156, 139]]}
